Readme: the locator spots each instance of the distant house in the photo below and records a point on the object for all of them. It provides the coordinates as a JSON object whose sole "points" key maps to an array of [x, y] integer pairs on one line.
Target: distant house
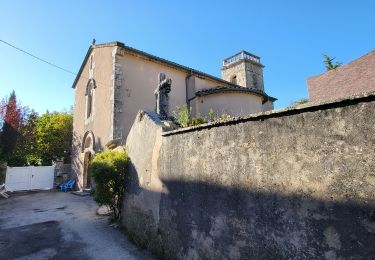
{"points": [[355, 77], [116, 81]]}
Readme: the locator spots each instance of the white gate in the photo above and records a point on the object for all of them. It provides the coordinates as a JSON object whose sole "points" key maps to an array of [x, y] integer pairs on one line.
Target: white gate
{"points": [[30, 178]]}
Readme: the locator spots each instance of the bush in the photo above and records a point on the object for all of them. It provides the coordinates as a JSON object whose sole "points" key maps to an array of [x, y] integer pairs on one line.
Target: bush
{"points": [[182, 117], [298, 102], [214, 117], [109, 170], [197, 121]]}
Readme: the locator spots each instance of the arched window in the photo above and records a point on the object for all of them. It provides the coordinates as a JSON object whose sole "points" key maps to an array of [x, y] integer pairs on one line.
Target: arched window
{"points": [[89, 103], [88, 142], [90, 97], [233, 79]]}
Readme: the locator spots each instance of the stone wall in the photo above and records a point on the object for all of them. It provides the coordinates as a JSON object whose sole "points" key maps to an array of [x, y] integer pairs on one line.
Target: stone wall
{"points": [[63, 172], [290, 184]]}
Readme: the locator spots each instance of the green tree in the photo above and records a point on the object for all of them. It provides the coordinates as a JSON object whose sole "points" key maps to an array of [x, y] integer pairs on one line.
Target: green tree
{"points": [[329, 63], [109, 170], [53, 134]]}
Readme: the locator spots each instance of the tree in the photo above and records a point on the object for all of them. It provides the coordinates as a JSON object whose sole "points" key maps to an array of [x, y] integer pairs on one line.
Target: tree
{"points": [[328, 63], [12, 117], [25, 152], [53, 135]]}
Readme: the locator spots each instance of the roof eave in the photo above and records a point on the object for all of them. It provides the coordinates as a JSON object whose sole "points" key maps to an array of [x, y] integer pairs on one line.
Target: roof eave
{"points": [[108, 44], [82, 66], [235, 89]]}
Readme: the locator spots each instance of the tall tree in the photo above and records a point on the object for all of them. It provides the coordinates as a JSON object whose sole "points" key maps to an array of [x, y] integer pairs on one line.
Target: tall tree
{"points": [[329, 63], [25, 152], [12, 115]]}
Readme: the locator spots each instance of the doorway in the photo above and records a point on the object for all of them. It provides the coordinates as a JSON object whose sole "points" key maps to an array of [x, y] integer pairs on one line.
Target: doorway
{"points": [[86, 173]]}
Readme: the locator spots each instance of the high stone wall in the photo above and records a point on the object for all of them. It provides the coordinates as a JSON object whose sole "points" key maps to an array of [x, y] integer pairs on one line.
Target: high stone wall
{"points": [[287, 184]]}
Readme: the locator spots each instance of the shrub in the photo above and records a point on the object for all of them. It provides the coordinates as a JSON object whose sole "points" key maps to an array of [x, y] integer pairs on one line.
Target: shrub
{"points": [[298, 102], [182, 116], [211, 115], [109, 170], [225, 116], [197, 121]]}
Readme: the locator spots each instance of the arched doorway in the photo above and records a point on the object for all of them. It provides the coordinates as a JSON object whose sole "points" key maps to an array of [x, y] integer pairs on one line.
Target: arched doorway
{"points": [[86, 173], [88, 154]]}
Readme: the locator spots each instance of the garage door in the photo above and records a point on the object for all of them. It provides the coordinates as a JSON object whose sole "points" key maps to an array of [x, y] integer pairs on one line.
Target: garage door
{"points": [[30, 178]]}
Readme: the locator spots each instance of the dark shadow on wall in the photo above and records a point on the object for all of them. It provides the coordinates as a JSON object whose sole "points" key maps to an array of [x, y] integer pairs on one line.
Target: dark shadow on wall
{"points": [[203, 220]]}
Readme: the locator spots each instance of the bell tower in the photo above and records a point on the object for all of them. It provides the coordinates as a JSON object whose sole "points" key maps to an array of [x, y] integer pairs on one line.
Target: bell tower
{"points": [[243, 69]]}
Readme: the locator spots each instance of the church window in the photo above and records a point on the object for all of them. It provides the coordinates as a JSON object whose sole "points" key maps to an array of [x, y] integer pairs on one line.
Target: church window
{"points": [[233, 79], [89, 98], [89, 104]]}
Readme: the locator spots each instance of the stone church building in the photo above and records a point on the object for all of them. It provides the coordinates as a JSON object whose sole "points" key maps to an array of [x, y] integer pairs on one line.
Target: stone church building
{"points": [[116, 81]]}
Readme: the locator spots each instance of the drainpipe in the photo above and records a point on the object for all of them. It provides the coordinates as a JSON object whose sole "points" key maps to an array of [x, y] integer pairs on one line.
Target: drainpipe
{"points": [[187, 90]]}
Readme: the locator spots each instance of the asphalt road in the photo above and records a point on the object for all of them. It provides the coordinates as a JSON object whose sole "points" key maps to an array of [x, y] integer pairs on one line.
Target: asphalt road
{"points": [[56, 225]]}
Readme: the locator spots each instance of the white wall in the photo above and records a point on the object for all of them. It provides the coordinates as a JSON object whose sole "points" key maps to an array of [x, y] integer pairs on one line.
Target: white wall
{"points": [[234, 104]]}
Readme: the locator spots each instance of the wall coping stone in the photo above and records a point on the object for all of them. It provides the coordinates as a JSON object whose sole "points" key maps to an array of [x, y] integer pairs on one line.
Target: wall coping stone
{"points": [[308, 107]]}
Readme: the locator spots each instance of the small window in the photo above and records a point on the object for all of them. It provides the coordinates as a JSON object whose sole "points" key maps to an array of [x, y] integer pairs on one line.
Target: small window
{"points": [[89, 103], [89, 98], [233, 79]]}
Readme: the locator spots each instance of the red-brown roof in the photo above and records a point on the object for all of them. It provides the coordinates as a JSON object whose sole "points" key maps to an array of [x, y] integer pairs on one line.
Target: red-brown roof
{"points": [[353, 78]]}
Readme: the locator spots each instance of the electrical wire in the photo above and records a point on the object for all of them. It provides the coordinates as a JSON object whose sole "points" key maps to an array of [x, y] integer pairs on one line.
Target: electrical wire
{"points": [[45, 61], [36, 57]]}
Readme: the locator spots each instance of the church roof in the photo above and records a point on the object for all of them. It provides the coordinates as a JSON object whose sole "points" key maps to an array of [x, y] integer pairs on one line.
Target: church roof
{"points": [[234, 89], [167, 62]]}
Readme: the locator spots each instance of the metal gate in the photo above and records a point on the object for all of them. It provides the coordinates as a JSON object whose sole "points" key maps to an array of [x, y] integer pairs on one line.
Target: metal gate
{"points": [[30, 178]]}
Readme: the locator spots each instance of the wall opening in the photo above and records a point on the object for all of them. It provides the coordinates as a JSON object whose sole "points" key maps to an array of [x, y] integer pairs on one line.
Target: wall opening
{"points": [[233, 79]]}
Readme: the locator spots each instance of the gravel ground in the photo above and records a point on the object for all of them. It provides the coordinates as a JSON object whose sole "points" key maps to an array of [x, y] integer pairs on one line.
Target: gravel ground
{"points": [[57, 225]]}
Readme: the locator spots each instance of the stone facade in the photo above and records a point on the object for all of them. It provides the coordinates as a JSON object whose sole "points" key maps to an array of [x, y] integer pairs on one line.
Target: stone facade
{"points": [[244, 72], [63, 172], [355, 77], [290, 184], [90, 134]]}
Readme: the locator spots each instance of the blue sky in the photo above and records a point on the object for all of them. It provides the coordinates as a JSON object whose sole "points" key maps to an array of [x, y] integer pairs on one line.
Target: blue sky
{"points": [[289, 36]]}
